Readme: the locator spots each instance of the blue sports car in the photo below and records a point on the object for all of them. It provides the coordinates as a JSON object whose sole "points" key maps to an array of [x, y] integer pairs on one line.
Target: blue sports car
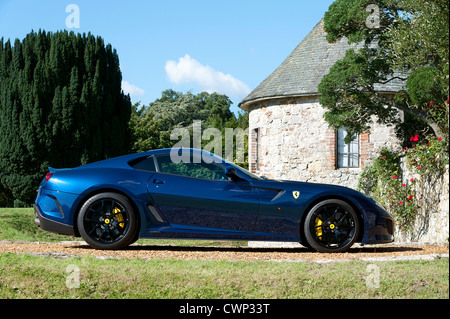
{"points": [[189, 193]]}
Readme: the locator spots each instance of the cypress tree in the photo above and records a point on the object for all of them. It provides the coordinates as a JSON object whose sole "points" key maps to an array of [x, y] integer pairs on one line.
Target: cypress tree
{"points": [[61, 105]]}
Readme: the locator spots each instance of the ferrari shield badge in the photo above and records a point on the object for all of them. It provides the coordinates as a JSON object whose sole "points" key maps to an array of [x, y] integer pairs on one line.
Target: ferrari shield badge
{"points": [[295, 194]]}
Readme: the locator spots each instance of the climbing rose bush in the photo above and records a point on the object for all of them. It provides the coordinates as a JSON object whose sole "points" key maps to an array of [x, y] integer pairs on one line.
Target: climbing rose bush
{"points": [[386, 182]]}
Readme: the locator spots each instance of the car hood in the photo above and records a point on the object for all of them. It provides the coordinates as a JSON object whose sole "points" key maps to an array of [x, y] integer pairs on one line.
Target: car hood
{"points": [[292, 185], [313, 189]]}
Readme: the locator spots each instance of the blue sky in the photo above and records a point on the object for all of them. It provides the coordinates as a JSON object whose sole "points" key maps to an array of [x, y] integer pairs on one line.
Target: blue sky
{"points": [[186, 45]]}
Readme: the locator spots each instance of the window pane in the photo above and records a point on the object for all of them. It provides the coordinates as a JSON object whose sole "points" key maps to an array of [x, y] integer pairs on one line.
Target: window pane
{"points": [[342, 133], [354, 160], [342, 147], [343, 160], [354, 146], [144, 164], [202, 170]]}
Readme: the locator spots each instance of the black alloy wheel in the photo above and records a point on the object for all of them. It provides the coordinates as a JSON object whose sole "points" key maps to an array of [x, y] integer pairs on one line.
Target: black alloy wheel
{"points": [[331, 226], [107, 221]]}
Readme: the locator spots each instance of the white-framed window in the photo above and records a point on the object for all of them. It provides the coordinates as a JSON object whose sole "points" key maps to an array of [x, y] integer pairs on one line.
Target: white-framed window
{"points": [[348, 155]]}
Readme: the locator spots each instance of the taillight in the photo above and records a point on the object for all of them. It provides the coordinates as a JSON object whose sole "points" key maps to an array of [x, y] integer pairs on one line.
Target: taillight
{"points": [[48, 176]]}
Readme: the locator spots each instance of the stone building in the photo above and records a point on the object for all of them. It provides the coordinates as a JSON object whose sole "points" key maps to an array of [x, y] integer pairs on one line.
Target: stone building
{"points": [[288, 136]]}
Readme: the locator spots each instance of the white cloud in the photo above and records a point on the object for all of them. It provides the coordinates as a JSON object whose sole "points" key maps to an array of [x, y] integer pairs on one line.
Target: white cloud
{"points": [[189, 70], [131, 89]]}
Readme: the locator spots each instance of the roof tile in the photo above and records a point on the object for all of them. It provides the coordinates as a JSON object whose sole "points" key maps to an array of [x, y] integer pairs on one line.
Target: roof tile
{"points": [[303, 69]]}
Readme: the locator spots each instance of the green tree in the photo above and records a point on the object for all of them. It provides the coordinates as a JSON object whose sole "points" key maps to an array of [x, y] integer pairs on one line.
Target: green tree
{"points": [[61, 105], [152, 125], [410, 42]]}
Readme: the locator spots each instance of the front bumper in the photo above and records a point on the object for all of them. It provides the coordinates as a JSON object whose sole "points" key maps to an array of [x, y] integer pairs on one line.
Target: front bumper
{"points": [[381, 228]]}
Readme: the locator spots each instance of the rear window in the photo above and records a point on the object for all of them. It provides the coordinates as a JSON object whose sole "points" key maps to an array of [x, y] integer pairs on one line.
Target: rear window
{"points": [[143, 164]]}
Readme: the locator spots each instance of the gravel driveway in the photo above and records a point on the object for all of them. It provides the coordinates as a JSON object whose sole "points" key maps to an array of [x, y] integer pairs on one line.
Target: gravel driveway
{"points": [[365, 253]]}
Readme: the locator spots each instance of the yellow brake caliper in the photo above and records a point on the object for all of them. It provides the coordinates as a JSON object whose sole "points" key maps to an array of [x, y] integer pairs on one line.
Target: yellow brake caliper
{"points": [[317, 224], [119, 216]]}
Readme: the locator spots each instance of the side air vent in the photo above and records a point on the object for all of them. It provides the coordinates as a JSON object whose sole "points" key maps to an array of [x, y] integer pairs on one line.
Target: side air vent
{"points": [[155, 213]]}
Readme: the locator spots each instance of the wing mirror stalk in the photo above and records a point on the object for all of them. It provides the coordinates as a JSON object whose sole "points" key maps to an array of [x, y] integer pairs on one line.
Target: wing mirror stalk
{"points": [[230, 172]]}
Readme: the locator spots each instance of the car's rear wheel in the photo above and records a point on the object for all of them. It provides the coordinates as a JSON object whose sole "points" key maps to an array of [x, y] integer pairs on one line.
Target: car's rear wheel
{"points": [[107, 221], [331, 226]]}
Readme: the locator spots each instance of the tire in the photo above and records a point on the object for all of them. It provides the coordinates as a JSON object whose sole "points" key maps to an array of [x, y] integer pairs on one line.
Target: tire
{"points": [[107, 221], [331, 226]]}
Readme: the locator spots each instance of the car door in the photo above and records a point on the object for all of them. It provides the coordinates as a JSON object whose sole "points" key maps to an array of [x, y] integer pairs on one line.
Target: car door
{"points": [[200, 196]]}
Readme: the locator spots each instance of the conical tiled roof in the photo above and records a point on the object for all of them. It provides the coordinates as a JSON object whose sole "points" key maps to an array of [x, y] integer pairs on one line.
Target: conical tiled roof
{"points": [[302, 71]]}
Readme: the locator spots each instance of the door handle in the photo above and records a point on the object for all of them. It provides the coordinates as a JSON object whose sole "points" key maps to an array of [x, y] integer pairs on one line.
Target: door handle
{"points": [[158, 181]]}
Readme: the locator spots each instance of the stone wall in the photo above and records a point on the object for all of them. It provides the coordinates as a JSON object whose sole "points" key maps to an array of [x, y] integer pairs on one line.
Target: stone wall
{"points": [[432, 222], [289, 139]]}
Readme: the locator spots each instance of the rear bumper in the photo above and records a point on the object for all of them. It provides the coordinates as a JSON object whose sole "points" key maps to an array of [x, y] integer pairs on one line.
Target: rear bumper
{"points": [[52, 210], [51, 225]]}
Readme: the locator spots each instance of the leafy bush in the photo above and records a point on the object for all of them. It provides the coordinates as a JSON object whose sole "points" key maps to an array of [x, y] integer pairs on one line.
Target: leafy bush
{"points": [[386, 179]]}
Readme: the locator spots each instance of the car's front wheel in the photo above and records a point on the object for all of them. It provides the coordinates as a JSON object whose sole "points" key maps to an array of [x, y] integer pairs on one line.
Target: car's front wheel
{"points": [[107, 221], [331, 226]]}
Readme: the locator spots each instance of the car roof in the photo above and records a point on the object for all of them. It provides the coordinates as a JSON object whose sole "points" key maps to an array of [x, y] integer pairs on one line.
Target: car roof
{"points": [[122, 161]]}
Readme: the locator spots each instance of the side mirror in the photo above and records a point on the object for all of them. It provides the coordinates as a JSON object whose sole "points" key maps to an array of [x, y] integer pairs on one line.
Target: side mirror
{"points": [[231, 173]]}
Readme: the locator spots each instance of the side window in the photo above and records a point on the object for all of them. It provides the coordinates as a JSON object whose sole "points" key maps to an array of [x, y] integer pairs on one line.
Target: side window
{"points": [[201, 170], [144, 164]]}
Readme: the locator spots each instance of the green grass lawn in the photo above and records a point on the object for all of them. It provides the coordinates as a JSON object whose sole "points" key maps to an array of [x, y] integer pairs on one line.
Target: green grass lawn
{"points": [[26, 276], [17, 224]]}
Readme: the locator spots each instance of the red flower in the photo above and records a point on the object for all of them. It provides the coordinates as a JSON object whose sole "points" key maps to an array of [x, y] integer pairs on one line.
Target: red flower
{"points": [[410, 196], [394, 177], [412, 180], [440, 139], [431, 103], [414, 138], [383, 156], [404, 185], [401, 203], [419, 167]]}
